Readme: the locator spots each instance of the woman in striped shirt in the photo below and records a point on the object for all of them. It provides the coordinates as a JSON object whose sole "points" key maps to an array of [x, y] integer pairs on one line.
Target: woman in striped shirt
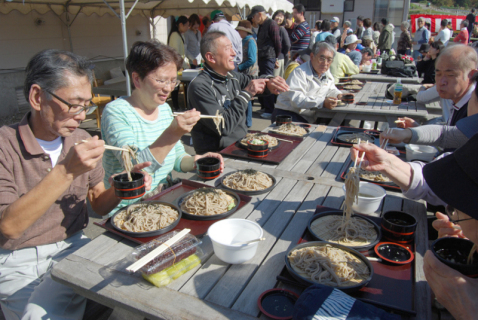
{"points": [[145, 120]]}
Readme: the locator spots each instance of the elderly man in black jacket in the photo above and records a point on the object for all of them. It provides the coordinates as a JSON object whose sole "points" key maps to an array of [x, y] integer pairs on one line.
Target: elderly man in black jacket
{"points": [[219, 88]]}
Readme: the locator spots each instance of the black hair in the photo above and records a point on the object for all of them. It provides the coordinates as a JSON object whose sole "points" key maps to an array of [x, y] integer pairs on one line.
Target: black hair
{"points": [[367, 23], [300, 8], [384, 21], [48, 69], [147, 56], [331, 40], [193, 19], [325, 25], [208, 42], [318, 24], [205, 20], [376, 27], [279, 12], [175, 25], [367, 50], [288, 16], [437, 45], [444, 23]]}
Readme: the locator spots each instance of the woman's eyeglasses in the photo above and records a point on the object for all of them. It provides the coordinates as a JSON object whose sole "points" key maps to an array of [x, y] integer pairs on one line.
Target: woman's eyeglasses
{"points": [[450, 212], [163, 83], [76, 108]]}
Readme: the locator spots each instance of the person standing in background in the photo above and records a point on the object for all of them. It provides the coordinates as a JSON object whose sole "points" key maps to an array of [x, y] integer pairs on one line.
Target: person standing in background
{"points": [[463, 36], [368, 31], [444, 34], [334, 25], [269, 49], [313, 35], [405, 40], [192, 41], [450, 28], [249, 64], [206, 21], [289, 23], [300, 38], [421, 37], [325, 31], [471, 21], [285, 43], [360, 28], [176, 41], [376, 32], [219, 23]]}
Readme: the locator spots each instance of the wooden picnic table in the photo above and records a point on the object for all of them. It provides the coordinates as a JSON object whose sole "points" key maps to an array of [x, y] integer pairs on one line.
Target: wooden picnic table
{"points": [[216, 290], [375, 107], [378, 77]]}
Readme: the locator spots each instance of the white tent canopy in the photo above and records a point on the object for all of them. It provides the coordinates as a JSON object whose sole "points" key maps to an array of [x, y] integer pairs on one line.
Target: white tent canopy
{"points": [[68, 10]]}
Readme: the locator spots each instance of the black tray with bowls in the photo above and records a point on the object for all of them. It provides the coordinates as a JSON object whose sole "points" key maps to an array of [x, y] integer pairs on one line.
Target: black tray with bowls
{"points": [[339, 213], [148, 233], [308, 282], [189, 216], [374, 134], [249, 193]]}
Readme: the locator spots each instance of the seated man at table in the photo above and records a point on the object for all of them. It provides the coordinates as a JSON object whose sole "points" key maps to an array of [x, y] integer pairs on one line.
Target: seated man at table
{"points": [[312, 87], [45, 180], [219, 89], [367, 55], [342, 64]]}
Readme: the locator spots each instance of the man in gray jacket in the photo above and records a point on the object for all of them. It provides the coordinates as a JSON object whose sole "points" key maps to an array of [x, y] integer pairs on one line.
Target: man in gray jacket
{"points": [[220, 89]]}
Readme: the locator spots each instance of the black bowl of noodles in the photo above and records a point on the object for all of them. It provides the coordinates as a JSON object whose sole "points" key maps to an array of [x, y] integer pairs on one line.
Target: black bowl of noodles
{"points": [[119, 224], [243, 142], [229, 180], [355, 262], [318, 228], [350, 137], [229, 201]]}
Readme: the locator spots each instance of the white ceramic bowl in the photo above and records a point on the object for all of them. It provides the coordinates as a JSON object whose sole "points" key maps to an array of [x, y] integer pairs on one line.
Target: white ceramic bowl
{"points": [[368, 205], [420, 152], [225, 233]]}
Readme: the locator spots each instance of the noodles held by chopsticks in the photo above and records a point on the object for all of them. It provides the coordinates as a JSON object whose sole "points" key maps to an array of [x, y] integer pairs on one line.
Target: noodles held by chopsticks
{"points": [[328, 265], [208, 202], [219, 121], [248, 180], [127, 159], [146, 217]]}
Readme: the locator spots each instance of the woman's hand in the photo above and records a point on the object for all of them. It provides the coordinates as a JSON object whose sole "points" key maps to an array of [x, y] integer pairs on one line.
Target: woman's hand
{"points": [[185, 122], [396, 136], [456, 292], [137, 168], [210, 155], [445, 227], [376, 159], [406, 122]]}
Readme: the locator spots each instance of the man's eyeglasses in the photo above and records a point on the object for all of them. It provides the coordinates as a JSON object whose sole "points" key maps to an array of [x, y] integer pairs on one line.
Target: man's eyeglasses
{"points": [[76, 108], [450, 211], [324, 60], [172, 83]]}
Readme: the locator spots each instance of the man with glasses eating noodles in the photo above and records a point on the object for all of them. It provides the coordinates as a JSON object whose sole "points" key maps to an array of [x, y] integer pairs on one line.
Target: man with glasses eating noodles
{"points": [[48, 167], [311, 87]]}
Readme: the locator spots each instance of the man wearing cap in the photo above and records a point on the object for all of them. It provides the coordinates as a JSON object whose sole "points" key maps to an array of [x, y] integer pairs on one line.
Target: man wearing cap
{"points": [[269, 48], [424, 48], [421, 37], [385, 40], [342, 65], [350, 49], [334, 25], [312, 87], [219, 23], [360, 28], [220, 89], [300, 38]]}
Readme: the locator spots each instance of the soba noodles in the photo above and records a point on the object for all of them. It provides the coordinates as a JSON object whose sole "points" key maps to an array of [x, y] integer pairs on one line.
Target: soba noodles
{"points": [[374, 176], [346, 230], [208, 202], [145, 217], [329, 266], [356, 137], [248, 180], [258, 135], [290, 129], [127, 157], [219, 121]]}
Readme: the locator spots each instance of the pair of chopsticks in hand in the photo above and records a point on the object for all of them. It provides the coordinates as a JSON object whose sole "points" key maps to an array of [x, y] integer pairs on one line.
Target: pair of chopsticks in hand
{"points": [[203, 116], [385, 141], [361, 159], [107, 147]]}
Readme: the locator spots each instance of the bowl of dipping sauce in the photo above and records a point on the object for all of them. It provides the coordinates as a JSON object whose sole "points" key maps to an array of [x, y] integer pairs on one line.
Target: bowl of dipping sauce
{"points": [[227, 235], [369, 198], [277, 303], [420, 152], [348, 98], [398, 226], [208, 168], [454, 253], [257, 148], [283, 119], [394, 253], [127, 190]]}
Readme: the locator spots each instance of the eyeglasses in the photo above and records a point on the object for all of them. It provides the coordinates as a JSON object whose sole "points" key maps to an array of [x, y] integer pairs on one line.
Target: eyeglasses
{"points": [[172, 83], [76, 108], [324, 60], [450, 211]]}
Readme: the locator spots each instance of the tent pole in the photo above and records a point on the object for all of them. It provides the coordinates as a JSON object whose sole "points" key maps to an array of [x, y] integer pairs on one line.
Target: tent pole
{"points": [[125, 43]]}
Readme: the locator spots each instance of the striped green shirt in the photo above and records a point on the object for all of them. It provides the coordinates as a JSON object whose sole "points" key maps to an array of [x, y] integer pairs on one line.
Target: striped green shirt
{"points": [[122, 125]]}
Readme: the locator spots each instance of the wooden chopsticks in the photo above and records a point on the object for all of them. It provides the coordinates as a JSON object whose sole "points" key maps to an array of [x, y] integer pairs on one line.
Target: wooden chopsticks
{"points": [[107, 147], [204, 116]]}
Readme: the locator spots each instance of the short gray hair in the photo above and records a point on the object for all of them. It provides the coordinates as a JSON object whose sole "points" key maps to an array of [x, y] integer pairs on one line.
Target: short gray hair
{"points": [[421, 19], [405, 24], [348, 23], [319, 46], [466, 57], [49, 69], [208, 42]]}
